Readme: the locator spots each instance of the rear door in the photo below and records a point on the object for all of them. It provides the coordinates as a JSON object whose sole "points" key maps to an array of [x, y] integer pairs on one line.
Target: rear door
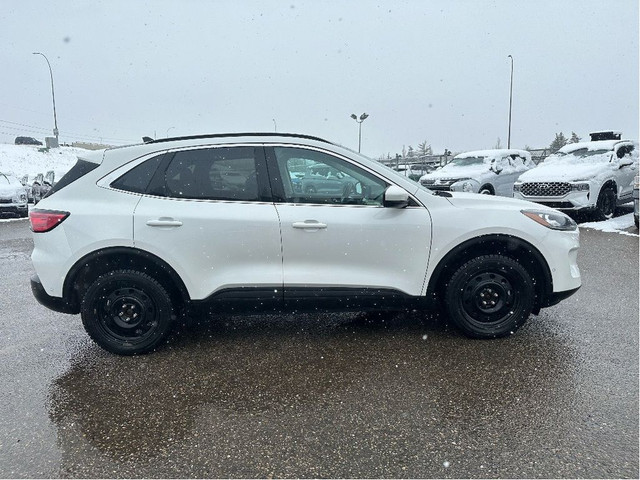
{"points": [[208, 213]]}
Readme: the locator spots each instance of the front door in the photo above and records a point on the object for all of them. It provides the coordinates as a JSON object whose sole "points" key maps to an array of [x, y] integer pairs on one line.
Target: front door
{"points": [[345, 239]]}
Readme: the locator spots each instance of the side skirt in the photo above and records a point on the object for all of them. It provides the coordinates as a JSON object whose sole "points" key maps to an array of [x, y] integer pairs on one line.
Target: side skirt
{"points": [[250, 300]]}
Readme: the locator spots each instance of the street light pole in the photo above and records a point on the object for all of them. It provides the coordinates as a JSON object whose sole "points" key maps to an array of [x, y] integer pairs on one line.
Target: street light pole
{"points": [[168, 131], [510, 103], [362, 118], [275, 125], [53, 96]]}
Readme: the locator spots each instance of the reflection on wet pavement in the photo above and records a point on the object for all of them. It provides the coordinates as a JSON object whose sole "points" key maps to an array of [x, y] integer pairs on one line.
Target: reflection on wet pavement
{"points": [[233, 394]]}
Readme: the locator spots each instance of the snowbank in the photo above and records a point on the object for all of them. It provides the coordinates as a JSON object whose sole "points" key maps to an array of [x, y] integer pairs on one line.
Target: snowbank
{"points": [[20, 160], [617, 224]]}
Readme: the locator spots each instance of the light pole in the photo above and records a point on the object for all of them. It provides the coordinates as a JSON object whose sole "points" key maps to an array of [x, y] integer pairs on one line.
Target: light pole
{"points": [[275, 126], [53, 95], [510, 103], [362, 118], [168, 131]]}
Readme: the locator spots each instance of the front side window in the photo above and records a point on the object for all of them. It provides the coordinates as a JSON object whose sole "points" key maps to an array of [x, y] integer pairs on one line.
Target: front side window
{"points": [[226, 173], [309, 176]]}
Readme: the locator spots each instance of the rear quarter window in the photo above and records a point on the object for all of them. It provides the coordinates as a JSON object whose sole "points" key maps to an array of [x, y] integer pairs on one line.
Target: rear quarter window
{"points": [[138, 178], [80, 169]]}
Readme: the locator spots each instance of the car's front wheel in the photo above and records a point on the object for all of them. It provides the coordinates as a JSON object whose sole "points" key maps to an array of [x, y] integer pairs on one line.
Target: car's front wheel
{"points": [[606, 204], [127, 312], [490, 296]]}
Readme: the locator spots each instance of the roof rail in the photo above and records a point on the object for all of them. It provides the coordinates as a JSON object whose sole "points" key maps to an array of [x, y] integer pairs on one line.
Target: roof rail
{"points": [[221, 135]]}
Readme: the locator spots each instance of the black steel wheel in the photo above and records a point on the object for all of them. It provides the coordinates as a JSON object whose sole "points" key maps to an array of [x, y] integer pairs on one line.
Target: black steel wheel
{"points": [[127, 312], [606, 204], [490, 296]]}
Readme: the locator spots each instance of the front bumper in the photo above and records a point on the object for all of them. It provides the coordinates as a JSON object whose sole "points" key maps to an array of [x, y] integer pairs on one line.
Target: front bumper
{"points": [[572, 201], [56, 304], [18, 209]]}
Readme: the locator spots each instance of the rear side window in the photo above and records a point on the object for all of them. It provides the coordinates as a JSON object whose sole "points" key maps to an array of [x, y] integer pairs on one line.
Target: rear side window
{"points": [[137, 179], [80, 169], [224, 173]]}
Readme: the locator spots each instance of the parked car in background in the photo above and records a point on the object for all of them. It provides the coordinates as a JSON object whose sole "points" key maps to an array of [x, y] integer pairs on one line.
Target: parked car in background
{"points": [[490, 172], [27, 141], [133, 236], [593, 176], [13, 196], [38, 188], [636, 199], [414, 170], [323, 180], [27, 183]]}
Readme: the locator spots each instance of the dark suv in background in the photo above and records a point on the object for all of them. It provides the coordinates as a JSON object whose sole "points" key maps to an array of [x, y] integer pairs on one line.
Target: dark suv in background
{"points": [[27, 141]]}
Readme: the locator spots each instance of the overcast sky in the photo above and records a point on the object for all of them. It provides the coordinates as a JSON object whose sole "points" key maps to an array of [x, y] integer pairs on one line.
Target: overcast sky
{"points": [[423, 70]]}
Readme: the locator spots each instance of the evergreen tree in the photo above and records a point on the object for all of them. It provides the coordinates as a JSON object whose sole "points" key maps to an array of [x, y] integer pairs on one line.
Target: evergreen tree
{"points": [[424, 149], [559, 142], [574, 138], [410, 152], [497, 145]]}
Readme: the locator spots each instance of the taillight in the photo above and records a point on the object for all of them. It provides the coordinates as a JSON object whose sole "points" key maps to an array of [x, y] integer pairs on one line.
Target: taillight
{"points": [[46, 220]]}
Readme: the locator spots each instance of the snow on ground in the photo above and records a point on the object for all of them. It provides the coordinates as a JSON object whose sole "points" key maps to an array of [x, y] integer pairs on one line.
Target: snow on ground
{"points": [[616, 224], [19, 160]]}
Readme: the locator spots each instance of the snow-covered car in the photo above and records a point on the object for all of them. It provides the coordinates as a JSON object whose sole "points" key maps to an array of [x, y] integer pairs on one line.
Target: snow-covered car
{"points": [[593, 176], [38, 188], [490, 172], [13, 196], [636, 199], [133, 236], [414, 170], [27, 183]]}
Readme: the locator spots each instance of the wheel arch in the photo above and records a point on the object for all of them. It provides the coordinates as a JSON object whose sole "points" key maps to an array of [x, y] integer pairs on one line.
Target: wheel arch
{"points": [[99, 262], [513, 247], [487, 186]]}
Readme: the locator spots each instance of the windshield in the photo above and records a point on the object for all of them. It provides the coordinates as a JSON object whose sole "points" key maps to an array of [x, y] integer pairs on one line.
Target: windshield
{"points": [[466, 161], [580, 155]]}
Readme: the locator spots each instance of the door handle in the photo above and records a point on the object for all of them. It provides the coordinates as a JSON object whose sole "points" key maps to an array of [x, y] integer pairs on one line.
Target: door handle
{"points": [[164, 222], [309, 225]]}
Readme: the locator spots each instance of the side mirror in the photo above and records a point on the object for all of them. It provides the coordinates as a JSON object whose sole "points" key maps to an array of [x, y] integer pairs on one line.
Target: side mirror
{"points": [[395, 197]]}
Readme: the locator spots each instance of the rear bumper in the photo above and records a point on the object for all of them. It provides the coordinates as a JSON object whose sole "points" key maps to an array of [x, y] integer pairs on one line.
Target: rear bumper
{"points": [[56, 304]]}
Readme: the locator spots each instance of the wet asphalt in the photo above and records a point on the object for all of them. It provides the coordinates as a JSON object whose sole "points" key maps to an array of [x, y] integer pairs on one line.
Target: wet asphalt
{"points": [[350, 395]]}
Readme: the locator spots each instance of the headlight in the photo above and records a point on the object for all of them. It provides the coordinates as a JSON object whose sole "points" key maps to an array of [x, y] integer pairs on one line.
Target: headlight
{"points": [[467, 187], [552, 220], [517, 187], [579, 187], [23, 197]]}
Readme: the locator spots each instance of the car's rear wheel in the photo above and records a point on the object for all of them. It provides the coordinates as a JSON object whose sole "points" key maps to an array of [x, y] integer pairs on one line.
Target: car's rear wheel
{"points": [[486, 190], [127, 312], [490, 296], [606, 204]]}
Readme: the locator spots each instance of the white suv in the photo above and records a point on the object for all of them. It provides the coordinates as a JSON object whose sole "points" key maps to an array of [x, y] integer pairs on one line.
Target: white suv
{"points": [[593, 176], [133, 236], [490, 172]]}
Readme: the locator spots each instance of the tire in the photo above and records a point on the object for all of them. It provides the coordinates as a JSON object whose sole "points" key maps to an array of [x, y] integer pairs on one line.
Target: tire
{"points": [[489, 296], [127, 312], [485, 190], [606, 204]]}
